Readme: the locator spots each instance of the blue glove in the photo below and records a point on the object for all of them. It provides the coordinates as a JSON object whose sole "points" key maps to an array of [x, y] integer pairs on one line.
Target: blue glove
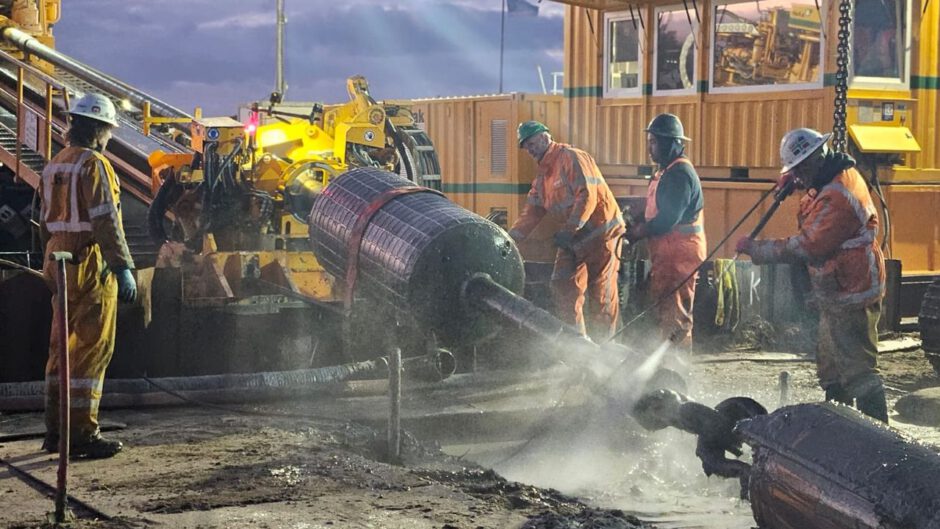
{"points": [[127, 287]]}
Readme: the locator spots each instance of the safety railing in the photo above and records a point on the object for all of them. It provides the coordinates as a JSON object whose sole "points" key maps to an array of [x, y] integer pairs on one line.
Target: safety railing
{"points": [[33, 128]]}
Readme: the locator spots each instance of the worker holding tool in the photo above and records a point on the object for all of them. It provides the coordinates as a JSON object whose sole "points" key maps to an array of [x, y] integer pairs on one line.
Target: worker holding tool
{"points": [[837, 241], [674, 225], [81, 214], [570, 188]]}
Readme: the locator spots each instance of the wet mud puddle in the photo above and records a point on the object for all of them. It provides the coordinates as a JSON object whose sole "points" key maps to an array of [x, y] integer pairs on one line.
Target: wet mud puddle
{"points": [[655, 477]]}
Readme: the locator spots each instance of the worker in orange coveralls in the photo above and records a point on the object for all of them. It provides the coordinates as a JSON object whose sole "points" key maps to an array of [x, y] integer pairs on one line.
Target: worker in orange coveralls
{"points": [[81, 214], [569, 187], [674, 225], [837, 242]]}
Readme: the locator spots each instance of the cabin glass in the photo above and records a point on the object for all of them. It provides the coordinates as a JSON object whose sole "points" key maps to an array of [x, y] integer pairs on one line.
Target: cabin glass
{"points": [[770, 45], [622, 55], [880, 43], [674, 67]]}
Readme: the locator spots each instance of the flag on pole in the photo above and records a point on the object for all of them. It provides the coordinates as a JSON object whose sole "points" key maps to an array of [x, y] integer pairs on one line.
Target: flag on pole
{"points": [[522, 7]]}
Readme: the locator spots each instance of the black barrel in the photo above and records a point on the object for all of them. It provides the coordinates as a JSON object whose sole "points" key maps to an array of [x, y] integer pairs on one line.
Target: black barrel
{"points": [[828, 467], [416, 252]]}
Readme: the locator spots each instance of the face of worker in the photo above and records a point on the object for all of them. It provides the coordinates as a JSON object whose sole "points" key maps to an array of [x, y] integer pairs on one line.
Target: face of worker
{"points": [[805, 173], [104, 136], [659, 148], [537, 144]]}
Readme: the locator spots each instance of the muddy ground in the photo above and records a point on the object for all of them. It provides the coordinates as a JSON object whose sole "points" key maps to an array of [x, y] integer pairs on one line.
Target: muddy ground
{"points": [[209, 467]]}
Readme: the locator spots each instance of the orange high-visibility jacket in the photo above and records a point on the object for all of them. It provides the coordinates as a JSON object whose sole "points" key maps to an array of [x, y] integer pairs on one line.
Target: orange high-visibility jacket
{"points": [[570, 187], [81, 204], [837, 240]]}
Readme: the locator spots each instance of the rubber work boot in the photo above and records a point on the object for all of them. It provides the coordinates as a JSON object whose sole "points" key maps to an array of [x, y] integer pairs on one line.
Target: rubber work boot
{"points": [[874, 404], [95, 447]]}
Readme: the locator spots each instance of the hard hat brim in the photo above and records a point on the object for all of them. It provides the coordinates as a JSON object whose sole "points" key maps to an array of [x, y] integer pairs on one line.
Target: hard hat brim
{"points": [[793, 163], [522, 140], [95, 117], [683, 138]]}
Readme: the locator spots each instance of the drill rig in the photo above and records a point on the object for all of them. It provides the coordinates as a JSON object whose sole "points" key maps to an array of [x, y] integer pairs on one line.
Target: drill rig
{"points": [[230, 216]]}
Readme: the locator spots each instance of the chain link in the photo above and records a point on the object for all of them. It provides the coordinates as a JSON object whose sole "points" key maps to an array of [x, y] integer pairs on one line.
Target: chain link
{"points": [[843, 53]]}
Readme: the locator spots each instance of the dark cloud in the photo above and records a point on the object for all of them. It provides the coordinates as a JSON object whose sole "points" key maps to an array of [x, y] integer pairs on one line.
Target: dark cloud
{"points": [[189, 52]]}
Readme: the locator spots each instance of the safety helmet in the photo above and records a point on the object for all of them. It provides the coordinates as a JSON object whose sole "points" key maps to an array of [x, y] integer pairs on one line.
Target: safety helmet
{"points": [[95, 106], [797, 145], [667, 126], [527, 129]]}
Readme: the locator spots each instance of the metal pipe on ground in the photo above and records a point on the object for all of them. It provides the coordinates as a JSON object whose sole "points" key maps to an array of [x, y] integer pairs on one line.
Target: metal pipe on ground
{"points": [[230, 388]]}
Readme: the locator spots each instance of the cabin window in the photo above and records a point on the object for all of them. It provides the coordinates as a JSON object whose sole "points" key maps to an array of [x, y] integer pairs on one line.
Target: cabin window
{"points": [[880, 42], [767, 45], [623, 56], [674, 69]]}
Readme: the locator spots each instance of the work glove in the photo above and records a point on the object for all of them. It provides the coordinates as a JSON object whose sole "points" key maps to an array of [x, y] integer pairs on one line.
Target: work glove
{"points": [[744, 245], [564, 240], [127, 286], [636, 232]]}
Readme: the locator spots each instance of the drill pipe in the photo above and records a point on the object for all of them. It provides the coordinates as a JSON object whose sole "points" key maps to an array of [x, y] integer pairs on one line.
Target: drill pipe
{"points": [[29, 44], [827, 466], [481, 292]]}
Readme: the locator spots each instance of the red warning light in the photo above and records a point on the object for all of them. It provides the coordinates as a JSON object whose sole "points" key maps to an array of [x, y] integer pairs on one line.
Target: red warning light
{"points": [[252, 125]]}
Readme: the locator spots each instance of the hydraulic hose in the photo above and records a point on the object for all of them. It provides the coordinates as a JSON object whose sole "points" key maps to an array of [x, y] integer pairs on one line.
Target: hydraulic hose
{"points": [[240, 387]]}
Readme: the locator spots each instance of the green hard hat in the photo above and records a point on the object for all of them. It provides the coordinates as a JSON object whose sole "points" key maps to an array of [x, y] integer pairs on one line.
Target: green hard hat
{"points": [[667, 126], [527, 129]]}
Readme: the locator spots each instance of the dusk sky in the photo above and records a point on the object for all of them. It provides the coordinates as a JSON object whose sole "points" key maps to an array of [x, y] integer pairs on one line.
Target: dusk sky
{"points": [[219, 54]]}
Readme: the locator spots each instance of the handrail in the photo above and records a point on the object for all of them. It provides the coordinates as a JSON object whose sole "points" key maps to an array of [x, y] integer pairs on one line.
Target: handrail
{"points": [[33, 70]]}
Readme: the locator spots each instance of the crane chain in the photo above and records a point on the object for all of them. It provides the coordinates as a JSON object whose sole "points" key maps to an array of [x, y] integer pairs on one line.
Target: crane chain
{"points": [[842, 75]]}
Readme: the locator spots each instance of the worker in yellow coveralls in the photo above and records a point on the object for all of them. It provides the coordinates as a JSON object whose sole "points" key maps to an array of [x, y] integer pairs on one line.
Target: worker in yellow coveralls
{"points": [[81, 214]]}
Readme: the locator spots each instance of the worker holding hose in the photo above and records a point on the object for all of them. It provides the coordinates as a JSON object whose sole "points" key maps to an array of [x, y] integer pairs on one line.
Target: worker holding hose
{"points": [[570, 187], [81, 214], [674, 225], [837, 242]]}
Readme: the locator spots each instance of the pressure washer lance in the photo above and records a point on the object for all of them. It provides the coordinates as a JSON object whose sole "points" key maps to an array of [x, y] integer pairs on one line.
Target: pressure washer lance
{"points": [[62, 330], [779, 197]]}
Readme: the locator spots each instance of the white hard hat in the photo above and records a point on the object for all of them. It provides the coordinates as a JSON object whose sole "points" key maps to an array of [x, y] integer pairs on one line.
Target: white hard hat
{"points": [[95, 106], [798, 144]]}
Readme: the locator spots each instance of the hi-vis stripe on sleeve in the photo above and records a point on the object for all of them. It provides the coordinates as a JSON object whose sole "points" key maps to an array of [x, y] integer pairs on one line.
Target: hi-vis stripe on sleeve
{"points": [[107, 207]]}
